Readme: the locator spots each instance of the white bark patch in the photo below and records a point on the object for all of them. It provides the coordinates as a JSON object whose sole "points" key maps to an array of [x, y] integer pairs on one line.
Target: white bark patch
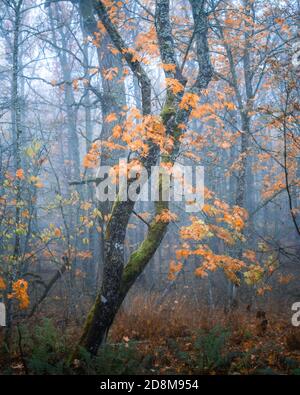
{"points": [[2, 314], [103, 299]]}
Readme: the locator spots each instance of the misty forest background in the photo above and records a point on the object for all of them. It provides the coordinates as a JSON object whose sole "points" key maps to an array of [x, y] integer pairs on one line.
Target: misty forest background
{"points": [[121, 288]]}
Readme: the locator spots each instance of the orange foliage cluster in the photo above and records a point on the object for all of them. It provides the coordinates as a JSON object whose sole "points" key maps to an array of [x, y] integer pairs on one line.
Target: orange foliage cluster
{"points": [[189, 100], [199, 230], [169, 67], [91, 159], [147, 42], [174, 267], [166, 216], [20, 293], [211, 262], [138, 130], [2, 284], [174, 85], [20, 174]]}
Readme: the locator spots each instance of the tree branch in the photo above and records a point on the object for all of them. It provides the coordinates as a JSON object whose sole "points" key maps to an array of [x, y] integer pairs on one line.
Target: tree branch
{"points": [[127, 54]]}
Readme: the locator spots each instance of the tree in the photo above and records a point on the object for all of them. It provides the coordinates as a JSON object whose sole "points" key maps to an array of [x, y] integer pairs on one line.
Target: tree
{"points": [[118, 278]]}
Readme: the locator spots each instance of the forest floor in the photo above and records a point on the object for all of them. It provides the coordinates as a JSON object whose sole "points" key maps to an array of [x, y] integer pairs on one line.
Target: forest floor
{"points": [[173, 340], [185, 341]]}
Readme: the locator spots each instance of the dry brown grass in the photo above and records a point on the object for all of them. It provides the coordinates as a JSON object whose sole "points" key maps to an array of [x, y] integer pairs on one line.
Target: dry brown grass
{"points": [[148, 319], [265, 340]]}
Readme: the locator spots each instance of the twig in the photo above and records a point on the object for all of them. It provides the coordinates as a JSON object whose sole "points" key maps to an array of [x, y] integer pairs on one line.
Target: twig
{"points": [[141, 218]]}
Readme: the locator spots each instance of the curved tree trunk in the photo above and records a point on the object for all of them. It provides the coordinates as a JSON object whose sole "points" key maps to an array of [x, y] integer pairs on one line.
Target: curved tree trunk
{"points": [[118, 278]]}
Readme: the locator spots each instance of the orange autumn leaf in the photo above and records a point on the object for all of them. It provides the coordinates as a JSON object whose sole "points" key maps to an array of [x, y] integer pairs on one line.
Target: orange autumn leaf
{"points": [[173, 269], [189, 100], [182, 253], [91, 159], [39, 184], [198, 230], [110, 74], [20, 174], [2, 284], [75, 85], [200, 272], [169, 67], [113, 50], [84, 254], [111, 118], [57, 232], [174, 85], [285, 279], [25, 214], [250, 255], [166, 216], [117, 132], [262, 290]]}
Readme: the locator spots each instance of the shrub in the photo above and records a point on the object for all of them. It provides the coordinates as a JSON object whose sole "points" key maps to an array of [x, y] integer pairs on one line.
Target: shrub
{"points": [[209, 346]]}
